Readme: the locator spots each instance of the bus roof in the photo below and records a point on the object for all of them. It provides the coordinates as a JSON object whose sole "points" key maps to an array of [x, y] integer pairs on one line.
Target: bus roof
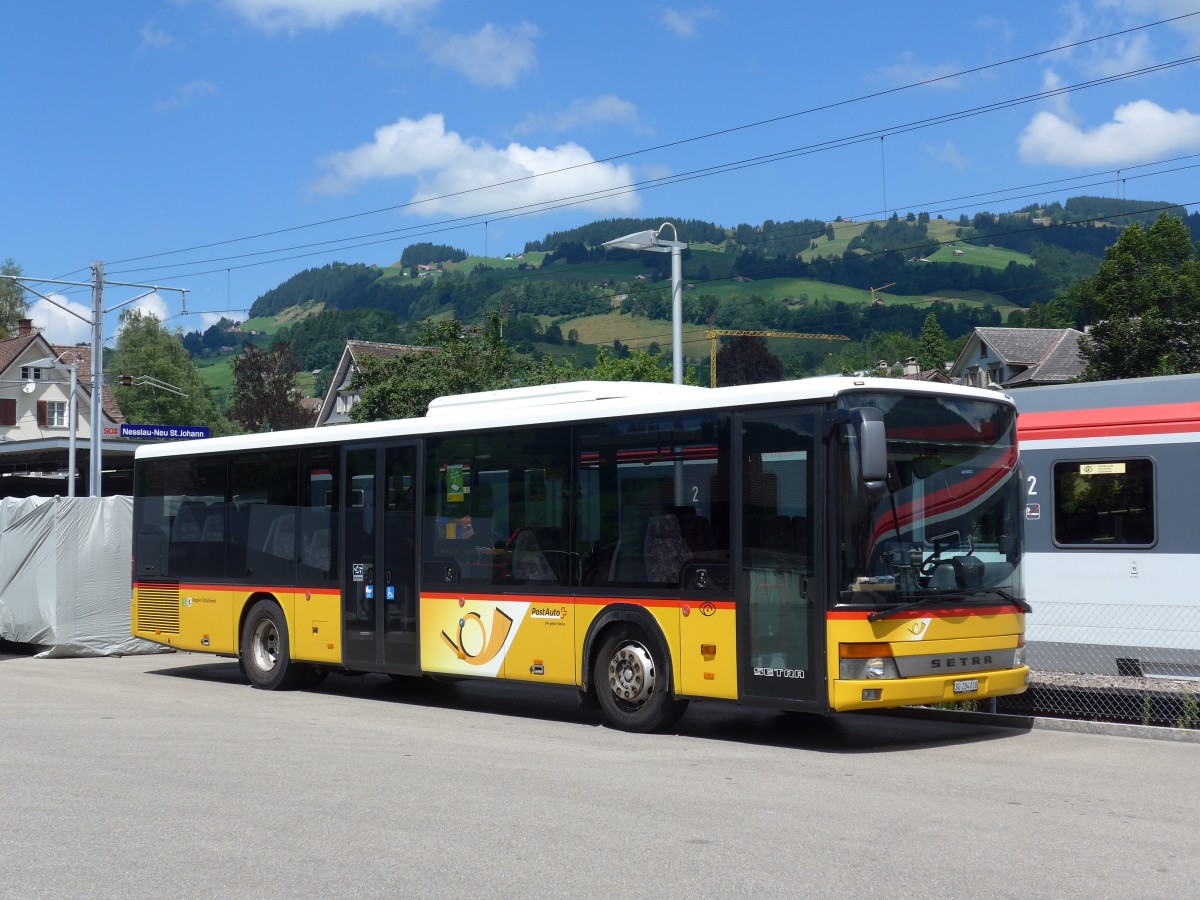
{"points": [[569, 402]]}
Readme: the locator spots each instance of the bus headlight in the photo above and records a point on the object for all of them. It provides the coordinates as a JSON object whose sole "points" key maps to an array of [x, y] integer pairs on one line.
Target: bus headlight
{"points": [[1019, 654], [860, 662]]}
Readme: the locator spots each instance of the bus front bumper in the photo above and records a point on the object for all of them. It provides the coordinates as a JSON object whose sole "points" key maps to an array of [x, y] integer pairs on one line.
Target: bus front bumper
{"points": [[885, 693]]}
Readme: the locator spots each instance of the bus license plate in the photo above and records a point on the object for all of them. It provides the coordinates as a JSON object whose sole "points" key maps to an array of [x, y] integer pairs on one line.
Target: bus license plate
{"points": [[967, 686]]}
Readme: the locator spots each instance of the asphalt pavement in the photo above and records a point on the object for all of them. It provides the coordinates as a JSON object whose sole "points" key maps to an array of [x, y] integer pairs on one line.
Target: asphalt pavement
{"points": [[168, 776]]}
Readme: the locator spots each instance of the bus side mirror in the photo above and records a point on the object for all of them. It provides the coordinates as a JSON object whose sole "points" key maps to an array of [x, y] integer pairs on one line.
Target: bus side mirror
{"points": [[867, 423]]}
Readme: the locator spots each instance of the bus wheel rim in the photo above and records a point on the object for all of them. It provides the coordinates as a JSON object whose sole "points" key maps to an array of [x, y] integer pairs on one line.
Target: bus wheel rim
{"points": [[266, 645], [631, 674]]}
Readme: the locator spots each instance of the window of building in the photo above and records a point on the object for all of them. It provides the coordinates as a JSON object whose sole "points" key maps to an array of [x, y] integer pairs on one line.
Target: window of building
{"points": [[1104, 502], [56, 414], [31, 373]]}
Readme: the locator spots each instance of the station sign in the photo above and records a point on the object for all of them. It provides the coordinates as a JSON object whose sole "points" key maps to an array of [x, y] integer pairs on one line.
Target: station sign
{"points": [[164, 432]]}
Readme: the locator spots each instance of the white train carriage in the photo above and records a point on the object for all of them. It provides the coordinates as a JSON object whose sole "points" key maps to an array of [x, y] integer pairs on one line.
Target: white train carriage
{"points": [[1112, 566]]}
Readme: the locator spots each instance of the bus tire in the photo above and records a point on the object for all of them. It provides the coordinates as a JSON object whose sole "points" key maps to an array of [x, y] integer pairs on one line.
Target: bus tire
{"points": [[632, 680], [266, 650]]}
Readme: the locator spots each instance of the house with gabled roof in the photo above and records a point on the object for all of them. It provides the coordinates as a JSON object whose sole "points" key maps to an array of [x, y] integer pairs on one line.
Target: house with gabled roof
{"points": [[35, 427], [339, 397], [1019, 357]]}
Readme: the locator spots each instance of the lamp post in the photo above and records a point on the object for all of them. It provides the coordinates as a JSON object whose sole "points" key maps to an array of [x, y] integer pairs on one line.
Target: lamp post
{"points": [[650, 240], [72, 414]]}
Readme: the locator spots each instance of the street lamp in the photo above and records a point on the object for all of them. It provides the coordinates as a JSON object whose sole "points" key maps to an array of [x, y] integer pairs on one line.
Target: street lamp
{"points": [[51, 363], [650, 240]]}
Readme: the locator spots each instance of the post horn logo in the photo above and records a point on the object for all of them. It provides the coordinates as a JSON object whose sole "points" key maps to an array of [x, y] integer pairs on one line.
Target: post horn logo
{"points": [[473, 633]]}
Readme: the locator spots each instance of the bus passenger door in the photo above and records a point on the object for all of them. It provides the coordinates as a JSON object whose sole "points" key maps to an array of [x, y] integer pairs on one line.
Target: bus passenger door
{"points": [[779, 615], [379, 584]]}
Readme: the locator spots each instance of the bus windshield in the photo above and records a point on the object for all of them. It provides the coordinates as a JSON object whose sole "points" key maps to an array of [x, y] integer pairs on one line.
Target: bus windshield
{"points": [[947, 525]]}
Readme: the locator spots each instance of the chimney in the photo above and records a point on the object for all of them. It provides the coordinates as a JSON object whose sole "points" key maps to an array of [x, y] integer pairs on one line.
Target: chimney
{"points": [[24, 327], [911, 367]]}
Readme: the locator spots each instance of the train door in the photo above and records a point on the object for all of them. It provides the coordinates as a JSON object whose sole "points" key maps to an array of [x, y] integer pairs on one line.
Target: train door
{"points": [[379, 593], [780, 616]]}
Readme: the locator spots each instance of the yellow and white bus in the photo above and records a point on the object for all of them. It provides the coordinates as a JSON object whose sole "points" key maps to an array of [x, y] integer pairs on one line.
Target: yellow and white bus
{"points": [[817, 545]]}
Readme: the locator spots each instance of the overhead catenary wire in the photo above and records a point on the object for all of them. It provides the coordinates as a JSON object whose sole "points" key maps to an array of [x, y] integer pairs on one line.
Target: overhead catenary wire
{"points": [[474, 220], [676, 143]]}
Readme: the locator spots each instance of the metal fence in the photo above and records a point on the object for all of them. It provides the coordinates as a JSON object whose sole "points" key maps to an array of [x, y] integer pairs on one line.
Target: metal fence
{"points": [[1130, 663]]}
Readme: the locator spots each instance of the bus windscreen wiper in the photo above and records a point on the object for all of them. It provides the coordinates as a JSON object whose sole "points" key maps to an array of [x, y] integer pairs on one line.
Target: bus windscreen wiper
{"points": [[934, 599]]}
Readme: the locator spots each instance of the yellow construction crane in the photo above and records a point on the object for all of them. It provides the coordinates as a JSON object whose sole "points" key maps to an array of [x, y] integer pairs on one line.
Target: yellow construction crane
{"points": [[884, 288], [715, 333]]}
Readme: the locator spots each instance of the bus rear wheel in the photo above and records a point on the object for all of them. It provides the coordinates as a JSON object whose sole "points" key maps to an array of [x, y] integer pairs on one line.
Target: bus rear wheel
{"points": [[266, 651], [632, 680]]}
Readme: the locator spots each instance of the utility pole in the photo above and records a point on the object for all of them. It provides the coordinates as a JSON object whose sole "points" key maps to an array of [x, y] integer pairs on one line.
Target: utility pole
{"points": [[97, 373], [97, 324]]}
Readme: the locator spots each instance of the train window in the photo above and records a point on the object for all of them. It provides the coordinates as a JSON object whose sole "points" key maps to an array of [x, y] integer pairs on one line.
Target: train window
{"points": [[1104, 502]]}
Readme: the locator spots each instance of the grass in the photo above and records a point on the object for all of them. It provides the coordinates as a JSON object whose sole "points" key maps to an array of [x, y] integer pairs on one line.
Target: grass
{"points": [[985, 257], [271, 324], [638, 332]]}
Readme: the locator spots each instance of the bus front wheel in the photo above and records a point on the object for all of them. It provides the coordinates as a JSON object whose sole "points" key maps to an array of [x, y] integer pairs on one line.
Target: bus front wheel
{"points": [[632, 680], [266, 651]]}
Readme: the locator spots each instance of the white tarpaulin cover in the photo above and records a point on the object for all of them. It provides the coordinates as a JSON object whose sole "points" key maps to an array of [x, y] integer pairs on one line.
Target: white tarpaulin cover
{"points": [[64, 575]]}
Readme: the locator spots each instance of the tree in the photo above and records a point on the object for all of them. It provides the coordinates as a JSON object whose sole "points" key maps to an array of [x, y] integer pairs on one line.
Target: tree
{"points": [[1144, 304], [746, 360], [265, 396], [635, 365], [933, 347], [458, 360], [144, 347], [12, 299]]}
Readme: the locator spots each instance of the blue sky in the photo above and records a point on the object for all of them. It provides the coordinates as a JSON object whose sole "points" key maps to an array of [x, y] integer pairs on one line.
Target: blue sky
{"points": [[144, 128]]}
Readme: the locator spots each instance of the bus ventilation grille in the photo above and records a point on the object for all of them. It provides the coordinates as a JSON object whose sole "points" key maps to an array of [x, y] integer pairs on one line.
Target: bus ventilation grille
{"points": [[158, 608]]}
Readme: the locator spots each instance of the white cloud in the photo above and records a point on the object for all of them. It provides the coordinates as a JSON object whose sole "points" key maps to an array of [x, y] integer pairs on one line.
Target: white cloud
{"points": [[154, 38], [186, 96], [58, 325], [151, 305], [686, 22], [997, 25], [1059, 104], [947, 153], [445, 164], [494, 56], [1150, 10], [295, 15], [1139, 132], [1101, 59], [605, 110]]}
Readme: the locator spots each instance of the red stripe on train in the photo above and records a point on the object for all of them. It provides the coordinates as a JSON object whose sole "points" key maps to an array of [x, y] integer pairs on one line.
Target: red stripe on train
{"points": [[1167, 418]]}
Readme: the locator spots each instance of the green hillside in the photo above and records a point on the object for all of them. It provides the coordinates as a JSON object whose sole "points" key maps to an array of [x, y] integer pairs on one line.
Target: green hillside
{"points": [[565, 296]]}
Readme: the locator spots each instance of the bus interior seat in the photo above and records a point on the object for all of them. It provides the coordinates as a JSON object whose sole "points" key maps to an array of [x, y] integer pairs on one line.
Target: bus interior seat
{"points": [[281, 537], [529, 563], [214, 528], [696, 529], [189, 520], [317, 551], [665, 551]]}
